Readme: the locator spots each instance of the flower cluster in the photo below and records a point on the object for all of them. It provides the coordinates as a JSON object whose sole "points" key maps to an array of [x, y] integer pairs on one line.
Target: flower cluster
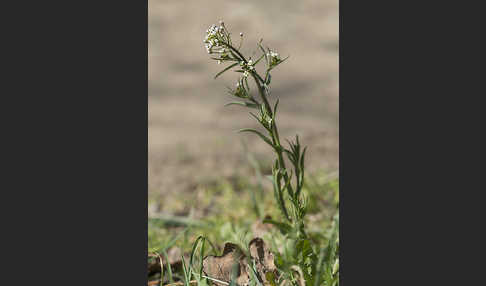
{"points": [[265, 118], [215, 37], [247, 67], [274, 58]]}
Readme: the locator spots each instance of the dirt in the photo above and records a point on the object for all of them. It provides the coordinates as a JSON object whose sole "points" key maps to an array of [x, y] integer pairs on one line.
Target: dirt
{"points": [[192, 135]]}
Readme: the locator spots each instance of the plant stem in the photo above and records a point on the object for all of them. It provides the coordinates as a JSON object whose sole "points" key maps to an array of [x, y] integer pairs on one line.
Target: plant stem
{"points": [[273, 132]]}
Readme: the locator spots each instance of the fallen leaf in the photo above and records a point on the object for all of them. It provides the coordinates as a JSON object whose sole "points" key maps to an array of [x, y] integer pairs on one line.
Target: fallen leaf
{"points": [[222, 267], [262, 256], [234, 259]]}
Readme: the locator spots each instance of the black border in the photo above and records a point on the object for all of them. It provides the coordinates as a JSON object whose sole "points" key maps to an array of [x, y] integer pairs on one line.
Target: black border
{"points": [[75, 154], [411, 147]]}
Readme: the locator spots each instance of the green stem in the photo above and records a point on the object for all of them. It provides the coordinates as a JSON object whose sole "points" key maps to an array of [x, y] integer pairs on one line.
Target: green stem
{"points": [[274, 134]]}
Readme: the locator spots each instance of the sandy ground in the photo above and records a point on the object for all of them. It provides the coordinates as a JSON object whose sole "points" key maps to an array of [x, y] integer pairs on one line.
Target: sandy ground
{"points": [[192, 135]]}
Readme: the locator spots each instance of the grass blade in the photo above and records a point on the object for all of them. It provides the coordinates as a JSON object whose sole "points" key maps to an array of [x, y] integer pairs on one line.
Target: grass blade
{"points": [[169, 269]]}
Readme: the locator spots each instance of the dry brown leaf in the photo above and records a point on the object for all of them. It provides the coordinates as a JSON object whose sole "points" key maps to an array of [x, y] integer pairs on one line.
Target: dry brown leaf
{"points": [[262, 256], [221, 267]]}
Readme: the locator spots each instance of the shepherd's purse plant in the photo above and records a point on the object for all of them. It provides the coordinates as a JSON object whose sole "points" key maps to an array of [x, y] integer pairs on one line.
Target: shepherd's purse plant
{"points": [[318, 265]]}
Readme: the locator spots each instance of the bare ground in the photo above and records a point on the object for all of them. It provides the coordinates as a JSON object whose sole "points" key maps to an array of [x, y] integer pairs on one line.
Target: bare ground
{"points": [[192, 135]]}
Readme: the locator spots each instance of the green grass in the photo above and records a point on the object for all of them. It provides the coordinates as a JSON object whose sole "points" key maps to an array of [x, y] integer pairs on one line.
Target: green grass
{"points": [[229, 215]]}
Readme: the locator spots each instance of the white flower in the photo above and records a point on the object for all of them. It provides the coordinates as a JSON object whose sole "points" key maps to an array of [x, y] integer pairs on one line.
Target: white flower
{"points": [[272, 54], [241, 34], [245, 74], [215, 36]]}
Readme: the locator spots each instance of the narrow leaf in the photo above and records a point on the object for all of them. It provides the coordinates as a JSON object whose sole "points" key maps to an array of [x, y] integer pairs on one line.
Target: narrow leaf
{"points": [[234, 55], [247, 104], [268, 79], [263, 50], [278, 63], [256, 62], [266, 139], [247, 85], [283, 227], [191, 261], [229, 67], [302, 159], [275, 108], [169, 269]]}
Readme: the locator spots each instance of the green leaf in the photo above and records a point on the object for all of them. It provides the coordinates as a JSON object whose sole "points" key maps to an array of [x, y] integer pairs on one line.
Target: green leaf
{"points": [[246, 83], [191, 261], [268, 79], [247, 104], [270, 276], [275, 109], [283, 227], [227, 68], [187, 274], [169, 269], [266, 139], [263, 50], [302, 159], [234, 55], [225, 59], [278, 63], [256, 117], [287, 184], [256, 62], [277, 191]]}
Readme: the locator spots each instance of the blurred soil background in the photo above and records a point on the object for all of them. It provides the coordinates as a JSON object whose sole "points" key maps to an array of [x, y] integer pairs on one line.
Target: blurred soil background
{"points": [[192, 136]]}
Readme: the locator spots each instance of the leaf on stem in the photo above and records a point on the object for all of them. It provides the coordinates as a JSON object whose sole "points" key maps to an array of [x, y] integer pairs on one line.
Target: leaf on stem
{"points": [[256, 62], [247, 85], [247, 104], [282, 226], [263, 50], [275, 109], [265, 138], [274, 66], [227, 68], [302, 159]]}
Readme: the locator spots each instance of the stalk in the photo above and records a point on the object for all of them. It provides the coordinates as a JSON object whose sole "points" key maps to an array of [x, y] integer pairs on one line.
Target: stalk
{"points": [[218, 41]]}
